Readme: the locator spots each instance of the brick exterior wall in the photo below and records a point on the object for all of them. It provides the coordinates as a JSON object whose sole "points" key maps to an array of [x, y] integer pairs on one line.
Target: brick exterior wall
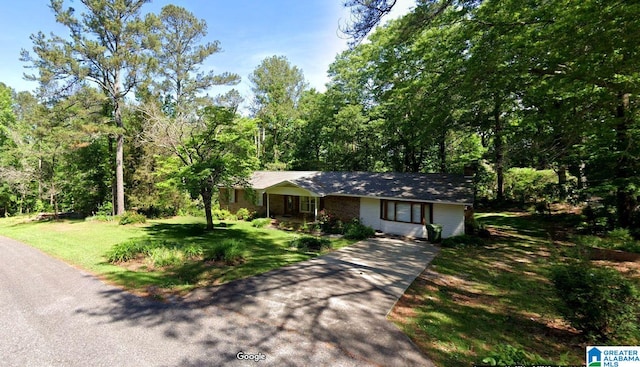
{"points": [[276, 204], [343, 207], [243, 200]]}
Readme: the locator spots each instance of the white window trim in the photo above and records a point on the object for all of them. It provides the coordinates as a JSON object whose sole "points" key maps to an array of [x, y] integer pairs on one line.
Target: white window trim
{"points": [[423, 206], [311, 202]]}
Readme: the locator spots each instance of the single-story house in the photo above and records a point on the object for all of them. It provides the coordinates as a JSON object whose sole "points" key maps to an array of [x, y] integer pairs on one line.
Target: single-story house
{"points": [[394, 203]]}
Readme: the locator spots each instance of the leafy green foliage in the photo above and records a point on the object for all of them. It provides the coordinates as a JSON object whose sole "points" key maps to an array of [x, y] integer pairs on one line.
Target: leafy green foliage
{"points": [[163, 256], [508, 355], [599, 302], [131, 218], [277, 87], [354, 230], [128, 250], [329, 223], [158, 253], [618, 239], [243, 214], [620, 234], [528, 185], [193, 251], [310, 243], [261, 222], [229, 251]]}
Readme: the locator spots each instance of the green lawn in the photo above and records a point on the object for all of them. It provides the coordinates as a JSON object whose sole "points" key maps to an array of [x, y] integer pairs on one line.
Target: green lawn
{"points": [[84, 244], [472, 300]]}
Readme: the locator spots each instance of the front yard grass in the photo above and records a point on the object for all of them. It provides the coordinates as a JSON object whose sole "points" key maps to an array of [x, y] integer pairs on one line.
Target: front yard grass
{"points": [[85, 244], [473, 301]]}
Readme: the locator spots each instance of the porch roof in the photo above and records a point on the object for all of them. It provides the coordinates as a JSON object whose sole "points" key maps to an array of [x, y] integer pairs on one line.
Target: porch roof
{"points": [[430, 187]]}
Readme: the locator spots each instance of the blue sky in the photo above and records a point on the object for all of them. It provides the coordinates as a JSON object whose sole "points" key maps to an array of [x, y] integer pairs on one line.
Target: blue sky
{"points": [[305, 31]]}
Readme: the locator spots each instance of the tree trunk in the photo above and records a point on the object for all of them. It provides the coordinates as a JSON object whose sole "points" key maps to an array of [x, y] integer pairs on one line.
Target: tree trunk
{"points": [[626, 201], [120, 174], [442, 151], [205, 192], [562, 181], [117, 114], [498, 145]]}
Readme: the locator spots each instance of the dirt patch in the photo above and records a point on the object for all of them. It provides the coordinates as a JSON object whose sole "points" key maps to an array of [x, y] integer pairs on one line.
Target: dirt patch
{"points": [[613, 255], [139, 263]]}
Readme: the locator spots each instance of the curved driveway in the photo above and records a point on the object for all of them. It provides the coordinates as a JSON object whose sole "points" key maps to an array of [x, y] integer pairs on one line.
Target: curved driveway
{"points": [[327, 311]]}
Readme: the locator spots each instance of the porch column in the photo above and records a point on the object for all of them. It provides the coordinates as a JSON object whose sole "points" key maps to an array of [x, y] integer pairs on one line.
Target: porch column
{"points": [[268, 205], [315, 209]]}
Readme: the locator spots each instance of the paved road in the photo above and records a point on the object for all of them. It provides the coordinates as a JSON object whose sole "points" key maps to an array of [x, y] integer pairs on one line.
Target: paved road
{"points": [[327, 311]]}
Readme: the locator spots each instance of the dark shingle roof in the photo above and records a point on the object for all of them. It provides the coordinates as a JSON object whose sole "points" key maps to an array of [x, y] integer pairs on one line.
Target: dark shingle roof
{"points": [[432, 187]]}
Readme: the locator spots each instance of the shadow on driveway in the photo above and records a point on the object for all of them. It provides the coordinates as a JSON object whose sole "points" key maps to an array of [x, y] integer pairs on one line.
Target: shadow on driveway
{"points": [[330, 310]]}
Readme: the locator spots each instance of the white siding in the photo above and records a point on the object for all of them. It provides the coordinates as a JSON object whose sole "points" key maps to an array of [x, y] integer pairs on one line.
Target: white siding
{"points": [[370, 212], [403, 229], [451, 217], [370, 216]]}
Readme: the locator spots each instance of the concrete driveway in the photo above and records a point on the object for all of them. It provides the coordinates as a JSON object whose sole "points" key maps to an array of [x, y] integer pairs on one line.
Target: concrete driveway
{"points": [[327, 311]]}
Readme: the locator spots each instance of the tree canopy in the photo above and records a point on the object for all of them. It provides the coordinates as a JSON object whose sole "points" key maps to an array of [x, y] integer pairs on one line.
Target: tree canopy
{"points": [[516, 89]]}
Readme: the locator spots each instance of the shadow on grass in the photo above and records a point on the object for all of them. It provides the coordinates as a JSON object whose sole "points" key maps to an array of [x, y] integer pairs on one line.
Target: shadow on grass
{"points": [[473, 299], [263, 250]]}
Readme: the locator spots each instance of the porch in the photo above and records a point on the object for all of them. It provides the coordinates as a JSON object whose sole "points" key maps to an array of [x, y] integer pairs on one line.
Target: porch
{"points": [[290, 201], [293, 208]]}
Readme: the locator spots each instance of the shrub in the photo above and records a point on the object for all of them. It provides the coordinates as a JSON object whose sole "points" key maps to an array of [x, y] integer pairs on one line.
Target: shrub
{"points": [[311, 243], [233, 255], [508, 355], [162, 253], [99, 218], [528, 184], [105, 209], [128, 250], [620, 234], [261, 222], [153, 211], [309, 227], [619, 239], [600, 302], [543, 207], [222, 214], [355, 230], [464, 240], [599, 219], [229, 251], [132, 218], [193, 251], [163, 256], [243, 214], [329, 223]]}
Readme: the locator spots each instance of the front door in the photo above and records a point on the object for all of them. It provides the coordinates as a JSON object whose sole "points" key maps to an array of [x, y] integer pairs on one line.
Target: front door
{"points": [[290, 205]]}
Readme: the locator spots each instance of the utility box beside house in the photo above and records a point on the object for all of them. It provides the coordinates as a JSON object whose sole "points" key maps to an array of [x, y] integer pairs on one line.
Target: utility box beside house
{"points": [[434, 233]]}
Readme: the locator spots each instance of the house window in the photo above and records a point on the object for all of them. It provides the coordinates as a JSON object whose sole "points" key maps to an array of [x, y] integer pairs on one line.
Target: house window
{"points": [[405, 211], [232, 195], [307, 204], [259, 200]]}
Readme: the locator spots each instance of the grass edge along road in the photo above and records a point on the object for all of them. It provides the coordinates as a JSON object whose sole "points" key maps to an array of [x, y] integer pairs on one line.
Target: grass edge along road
{"points": [[474, 302], [84, 244]]}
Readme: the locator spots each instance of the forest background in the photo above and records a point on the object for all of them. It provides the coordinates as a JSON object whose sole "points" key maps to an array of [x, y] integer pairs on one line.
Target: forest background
{"points": [[540, 98]]}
